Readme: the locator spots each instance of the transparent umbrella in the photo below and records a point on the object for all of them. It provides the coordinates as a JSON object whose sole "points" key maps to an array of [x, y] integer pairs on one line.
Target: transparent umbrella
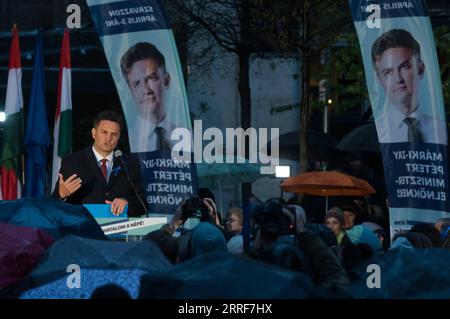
{"points": [[232, 170]]}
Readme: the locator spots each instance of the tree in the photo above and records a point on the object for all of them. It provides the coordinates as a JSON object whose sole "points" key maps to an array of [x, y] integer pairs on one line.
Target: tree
{"points": [[237, 27], [345, 70], [246, 27], [309, 27]]}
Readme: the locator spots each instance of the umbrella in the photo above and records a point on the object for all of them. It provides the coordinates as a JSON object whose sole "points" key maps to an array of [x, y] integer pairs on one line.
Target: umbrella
{"points": [[94, 254], [363, 138], [289, 143], [414, 273], [233, 170], [20, 250], [315, 138], [327, 183], [53, 216], [90, 280], [225, 276]]}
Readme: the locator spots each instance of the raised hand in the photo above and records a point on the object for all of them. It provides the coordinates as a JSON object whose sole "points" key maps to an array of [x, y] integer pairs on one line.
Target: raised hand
{"points": [[69, 186]]}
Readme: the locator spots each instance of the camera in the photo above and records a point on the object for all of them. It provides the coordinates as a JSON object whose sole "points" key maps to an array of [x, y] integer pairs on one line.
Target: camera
{"points": [[272, 220], [194, 207]]}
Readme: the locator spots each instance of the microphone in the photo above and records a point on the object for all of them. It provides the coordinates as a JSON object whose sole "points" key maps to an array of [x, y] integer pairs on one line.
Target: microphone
{"points": [[118, 155]]}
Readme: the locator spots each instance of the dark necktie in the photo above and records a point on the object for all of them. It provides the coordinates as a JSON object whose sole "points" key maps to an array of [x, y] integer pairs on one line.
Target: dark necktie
{"points": [[161, 141], [104, 169], [414, 134]]}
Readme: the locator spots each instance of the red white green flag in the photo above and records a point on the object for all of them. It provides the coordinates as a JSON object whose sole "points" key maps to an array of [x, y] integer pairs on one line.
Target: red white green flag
{"points": [[11, 152], [62, 134]]}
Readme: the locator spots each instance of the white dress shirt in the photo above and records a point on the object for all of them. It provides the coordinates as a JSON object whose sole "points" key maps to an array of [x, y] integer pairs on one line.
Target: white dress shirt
{"points": [[391, 127], [143, 137], [109, 162]]}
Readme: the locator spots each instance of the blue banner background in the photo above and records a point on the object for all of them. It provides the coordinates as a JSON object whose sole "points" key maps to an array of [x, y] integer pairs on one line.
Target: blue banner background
{"points": [[416, 173]]}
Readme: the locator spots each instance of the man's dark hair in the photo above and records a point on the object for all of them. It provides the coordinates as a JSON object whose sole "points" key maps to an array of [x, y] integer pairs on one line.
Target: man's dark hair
{"points": [[395, 38], [138, 52], [430, 231], [108, 116]]}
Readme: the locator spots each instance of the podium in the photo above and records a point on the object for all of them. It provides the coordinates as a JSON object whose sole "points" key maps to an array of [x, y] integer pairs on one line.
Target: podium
{"points": [[123, 227]]}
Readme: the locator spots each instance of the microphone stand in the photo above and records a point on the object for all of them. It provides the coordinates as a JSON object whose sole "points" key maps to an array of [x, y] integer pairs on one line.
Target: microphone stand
{"points": [[127, 174]]}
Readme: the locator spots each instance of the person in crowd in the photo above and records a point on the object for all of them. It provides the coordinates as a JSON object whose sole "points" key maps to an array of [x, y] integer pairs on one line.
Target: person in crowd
{"points": [[334, 219], [185, 246], [430, 231], [272, 223], [410, 240], [361, 234], [110, 291], [443, 226], [94, 175], [379, 232], [358, 245], [206, 238], [234, 224], [352, 215]]}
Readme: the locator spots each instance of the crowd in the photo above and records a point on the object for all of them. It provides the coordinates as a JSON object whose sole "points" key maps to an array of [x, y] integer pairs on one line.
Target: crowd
{"points": [[283, 235]]}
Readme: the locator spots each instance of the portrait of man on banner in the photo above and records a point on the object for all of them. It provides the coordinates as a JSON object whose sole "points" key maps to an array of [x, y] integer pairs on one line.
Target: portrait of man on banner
{"points": [[144, 68], [399, 67]]}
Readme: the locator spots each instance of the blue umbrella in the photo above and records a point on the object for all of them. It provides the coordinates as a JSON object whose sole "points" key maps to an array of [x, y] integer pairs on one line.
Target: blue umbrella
{"points": [[53, 216], [415, 273], [230, 277], [90, 280], [93, 254], [233, 170]]}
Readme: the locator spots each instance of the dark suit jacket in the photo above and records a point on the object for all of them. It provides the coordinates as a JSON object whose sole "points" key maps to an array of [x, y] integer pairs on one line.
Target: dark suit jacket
{"points": [[94, 189]]}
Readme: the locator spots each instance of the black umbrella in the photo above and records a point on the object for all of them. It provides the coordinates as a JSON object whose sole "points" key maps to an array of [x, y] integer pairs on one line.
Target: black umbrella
{"points": [[363, 138], [315, 138], [224, 276], [289, 143]]}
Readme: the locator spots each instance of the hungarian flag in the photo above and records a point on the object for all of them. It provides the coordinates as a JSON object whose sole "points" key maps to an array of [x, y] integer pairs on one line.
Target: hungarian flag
{"points": [[63, 119], [11, 160]]}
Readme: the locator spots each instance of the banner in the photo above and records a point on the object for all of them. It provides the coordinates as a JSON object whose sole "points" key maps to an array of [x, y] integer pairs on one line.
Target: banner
{"points": [[130, 226], [405, 90], [144, 63]]}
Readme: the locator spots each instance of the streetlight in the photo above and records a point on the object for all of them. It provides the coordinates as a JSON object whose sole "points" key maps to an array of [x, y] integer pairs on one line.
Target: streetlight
{"points": [[282, 172]]}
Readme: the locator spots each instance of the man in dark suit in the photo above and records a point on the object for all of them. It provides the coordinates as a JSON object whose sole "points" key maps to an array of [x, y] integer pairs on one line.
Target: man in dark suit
{"points": [[93, 176]]}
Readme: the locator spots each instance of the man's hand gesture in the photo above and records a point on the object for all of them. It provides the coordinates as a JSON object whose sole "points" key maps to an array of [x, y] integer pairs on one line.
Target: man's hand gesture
{"points": [[69, 186]]}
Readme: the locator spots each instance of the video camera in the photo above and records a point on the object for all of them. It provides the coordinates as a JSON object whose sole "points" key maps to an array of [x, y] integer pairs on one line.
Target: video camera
{"points": [[272, 220], [194, 207]]}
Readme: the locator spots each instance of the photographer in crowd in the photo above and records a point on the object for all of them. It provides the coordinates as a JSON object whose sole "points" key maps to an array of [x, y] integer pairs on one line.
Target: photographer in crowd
{"points": [[274, 226], [200, 231]]}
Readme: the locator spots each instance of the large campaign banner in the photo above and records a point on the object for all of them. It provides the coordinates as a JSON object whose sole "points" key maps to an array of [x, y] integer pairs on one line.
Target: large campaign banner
{"points": [[145, 66], [403, 79]]}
